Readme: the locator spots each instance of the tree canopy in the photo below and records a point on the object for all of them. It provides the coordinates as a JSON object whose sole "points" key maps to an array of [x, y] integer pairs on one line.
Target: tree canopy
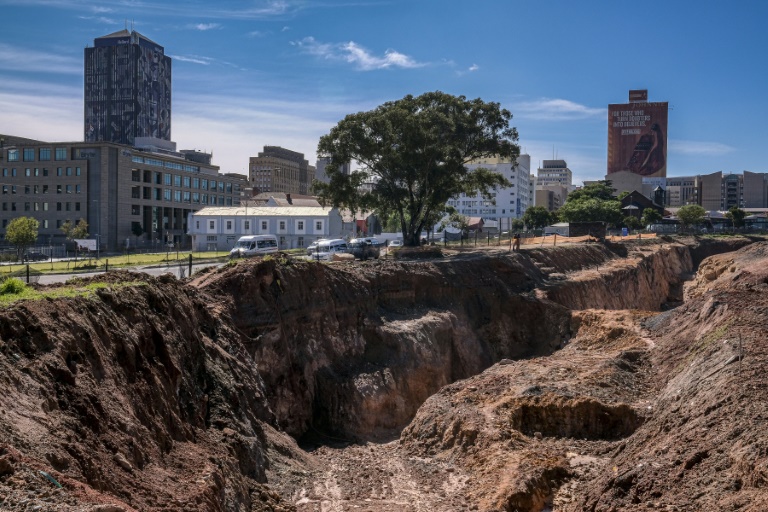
{"points": [[736, 215], [22, 232], [592, 203], [414, 152], [75, 231], [599, 190], [650, 216], [691, 215], [537, 217]]}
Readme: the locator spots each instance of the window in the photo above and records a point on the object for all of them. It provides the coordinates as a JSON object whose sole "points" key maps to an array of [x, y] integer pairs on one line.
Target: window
{"points": [[195, 197], [69, 189], [247, 225], [177, 196], [61, 154], [77, 189], [282, 225], [186, 181], [158, 194], [27, 189], [27, 172], [211, 224], [318, 225], [300, 225], [45, 207], [77, 207], [58, 189], [176, 180], [29, 155], [229, 225], [213, 184], [13, 172], [27, 207], [69, 171], [45, 154], [37, 171], [263, 225], [158, 178], [69, 206], [59, 171], [195, 182], [135, 209], [45, 223], [135, 175], [203, 198], [168, 179], [197, 224], [186, 197], [58, 207], [77, 171], [5, 172], [5, 207], [13, 155], [167, 194], [204, 184], [13, 207], [300, 242], [5, 189], [45, 189], [45, 171]]}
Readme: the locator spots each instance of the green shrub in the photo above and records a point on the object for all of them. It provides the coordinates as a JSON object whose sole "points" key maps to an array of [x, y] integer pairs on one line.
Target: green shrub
{"points": [[12, 286]]}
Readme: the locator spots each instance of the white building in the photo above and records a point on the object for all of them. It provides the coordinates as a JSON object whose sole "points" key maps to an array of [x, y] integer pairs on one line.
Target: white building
{"points": [[218, 228], [506, 203]]}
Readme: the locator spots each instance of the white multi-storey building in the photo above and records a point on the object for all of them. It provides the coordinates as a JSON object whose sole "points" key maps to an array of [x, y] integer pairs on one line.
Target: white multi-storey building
{"points": [[506, 203]]}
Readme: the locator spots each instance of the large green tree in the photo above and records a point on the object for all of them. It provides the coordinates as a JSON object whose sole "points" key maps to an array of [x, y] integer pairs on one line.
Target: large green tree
{"points": [[691, 215], [414, 152], [21, 232], [537, 217], [598, 190], [650, 216]]}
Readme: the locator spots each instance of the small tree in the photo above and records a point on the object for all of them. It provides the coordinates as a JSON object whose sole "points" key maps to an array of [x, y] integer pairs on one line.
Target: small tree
{"points": [[457, 221], [650, 216], [632, 222], [517, 224], [137, 231], [75, 231], [691, 215], [537, 217], [736, 215], [22, 232]]}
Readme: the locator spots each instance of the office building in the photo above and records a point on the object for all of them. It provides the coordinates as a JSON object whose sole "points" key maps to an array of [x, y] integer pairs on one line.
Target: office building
{"points": [[127, 90], [506, 203], [278, 169], [116, 188], [322, 163]]}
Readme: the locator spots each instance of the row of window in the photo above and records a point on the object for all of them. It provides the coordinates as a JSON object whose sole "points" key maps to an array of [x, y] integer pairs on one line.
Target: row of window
{"points": [[281, 225], [179, 196], [44, 224], [29, 172], [185, 181], [37, 207], [168, 165], [28, 154], [42, 189]]}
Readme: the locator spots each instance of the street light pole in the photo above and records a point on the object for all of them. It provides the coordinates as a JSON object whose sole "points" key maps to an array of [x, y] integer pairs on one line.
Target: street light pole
{"points": [[98, 227]]}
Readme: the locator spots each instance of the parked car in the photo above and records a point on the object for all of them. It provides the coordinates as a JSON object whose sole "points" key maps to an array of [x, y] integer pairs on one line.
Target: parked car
{"points": [[395, 243], [254, 245], [35, 256], [327, 248], [364, 248]]}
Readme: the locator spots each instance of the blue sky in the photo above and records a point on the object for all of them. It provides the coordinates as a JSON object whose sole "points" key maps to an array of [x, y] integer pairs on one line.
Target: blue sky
{"points": [[253, 73]]}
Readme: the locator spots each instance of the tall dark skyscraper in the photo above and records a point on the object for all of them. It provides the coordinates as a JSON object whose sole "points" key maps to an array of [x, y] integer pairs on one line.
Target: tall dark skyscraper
{"points": [[127, 89]]}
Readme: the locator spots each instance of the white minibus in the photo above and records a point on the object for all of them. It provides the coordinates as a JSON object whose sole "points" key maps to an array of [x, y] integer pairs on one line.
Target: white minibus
{"points": [[254, 245]]}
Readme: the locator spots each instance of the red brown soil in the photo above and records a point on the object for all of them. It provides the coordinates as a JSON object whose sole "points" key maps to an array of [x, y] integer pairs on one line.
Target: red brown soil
{"points": [[504, 382]]}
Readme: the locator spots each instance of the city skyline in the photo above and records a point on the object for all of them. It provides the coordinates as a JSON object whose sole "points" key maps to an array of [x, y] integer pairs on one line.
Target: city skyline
{"points": [[282, 73]]}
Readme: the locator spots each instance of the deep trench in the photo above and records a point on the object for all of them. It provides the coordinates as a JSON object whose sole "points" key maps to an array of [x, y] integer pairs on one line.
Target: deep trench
{"points": [[340, 411]]}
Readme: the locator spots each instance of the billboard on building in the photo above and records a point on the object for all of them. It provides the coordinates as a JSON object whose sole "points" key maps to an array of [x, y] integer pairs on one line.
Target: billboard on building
{"points": [[637, 138]]}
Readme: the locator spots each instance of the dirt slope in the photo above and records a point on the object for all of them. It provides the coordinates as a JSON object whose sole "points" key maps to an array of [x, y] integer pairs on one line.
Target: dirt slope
{"points": [[513, 391]]}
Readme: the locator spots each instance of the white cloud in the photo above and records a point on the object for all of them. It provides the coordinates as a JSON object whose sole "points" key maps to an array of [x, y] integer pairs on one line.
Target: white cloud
{"points": [[16, 58], [473, 67], [204, 26], [100, 19], [195, 59], [699, 148], [356, 55], [556, 110]]}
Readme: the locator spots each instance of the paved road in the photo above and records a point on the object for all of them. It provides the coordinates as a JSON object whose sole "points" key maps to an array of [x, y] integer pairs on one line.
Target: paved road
{"points": [[176, 270]]}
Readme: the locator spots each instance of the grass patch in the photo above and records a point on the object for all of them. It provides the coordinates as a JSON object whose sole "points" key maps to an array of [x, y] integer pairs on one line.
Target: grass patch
{"points": [[66, 291]]}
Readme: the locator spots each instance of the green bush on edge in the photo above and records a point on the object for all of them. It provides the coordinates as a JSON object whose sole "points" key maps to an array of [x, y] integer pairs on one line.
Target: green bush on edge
{"points": [[12, 285]]}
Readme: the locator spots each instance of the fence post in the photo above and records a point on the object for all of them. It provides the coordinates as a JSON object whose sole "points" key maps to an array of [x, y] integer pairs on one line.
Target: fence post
{"points": [[27, 273], [106, 266], [190, 265], [555, 242]]}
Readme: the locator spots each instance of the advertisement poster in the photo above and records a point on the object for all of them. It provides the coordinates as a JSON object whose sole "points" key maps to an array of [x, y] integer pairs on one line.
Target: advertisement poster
{"points": [[637, 138]]}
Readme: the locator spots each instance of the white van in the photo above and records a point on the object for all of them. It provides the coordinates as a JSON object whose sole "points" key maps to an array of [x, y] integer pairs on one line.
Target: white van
{"points": [[254, 245], [325, 249]]}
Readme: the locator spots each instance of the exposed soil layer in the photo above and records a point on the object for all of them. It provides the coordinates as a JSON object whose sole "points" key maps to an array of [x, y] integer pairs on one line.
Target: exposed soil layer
{"points": [[484, 380]]}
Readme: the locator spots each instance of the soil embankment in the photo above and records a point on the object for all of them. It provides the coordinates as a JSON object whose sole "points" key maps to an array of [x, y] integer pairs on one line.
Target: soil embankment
{"points": [[160, 395]]}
